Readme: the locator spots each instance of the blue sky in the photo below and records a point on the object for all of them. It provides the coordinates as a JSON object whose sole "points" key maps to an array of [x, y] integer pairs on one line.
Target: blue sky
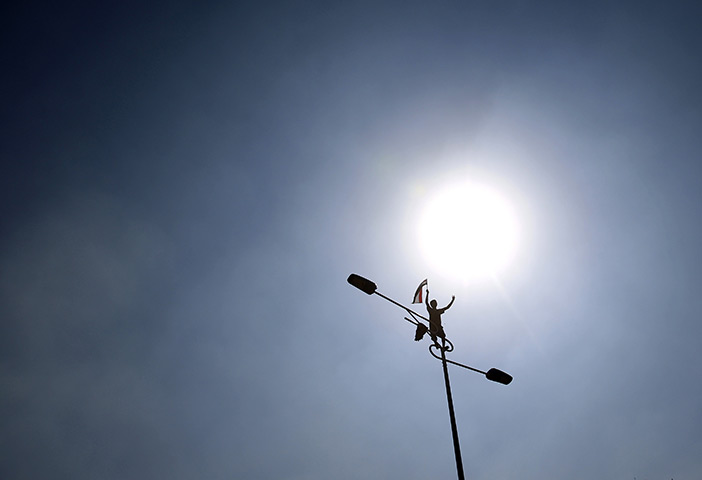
{"points": [[186, 187]]}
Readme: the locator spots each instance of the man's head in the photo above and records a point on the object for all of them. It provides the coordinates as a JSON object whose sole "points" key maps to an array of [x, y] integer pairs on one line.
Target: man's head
{"points": [[433, 304]]}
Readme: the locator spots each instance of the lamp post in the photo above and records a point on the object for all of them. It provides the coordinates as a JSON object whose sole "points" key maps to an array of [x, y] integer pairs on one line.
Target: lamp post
{"points": [[493, 374]]}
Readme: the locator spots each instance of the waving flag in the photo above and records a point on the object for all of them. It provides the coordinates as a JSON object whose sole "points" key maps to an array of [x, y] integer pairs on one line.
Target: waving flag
{"points": [[418, 293]]}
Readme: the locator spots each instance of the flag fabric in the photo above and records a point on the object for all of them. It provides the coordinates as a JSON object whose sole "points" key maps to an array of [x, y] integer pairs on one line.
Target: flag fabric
{"points": [[418, 293]]}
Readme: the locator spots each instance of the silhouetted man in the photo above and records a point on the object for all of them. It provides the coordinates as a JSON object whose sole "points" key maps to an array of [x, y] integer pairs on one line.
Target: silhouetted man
{"points": [[435, 328]]}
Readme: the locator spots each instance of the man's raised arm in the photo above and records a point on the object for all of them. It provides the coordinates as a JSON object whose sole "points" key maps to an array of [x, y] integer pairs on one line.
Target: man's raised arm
{"points": [[453, 297]]}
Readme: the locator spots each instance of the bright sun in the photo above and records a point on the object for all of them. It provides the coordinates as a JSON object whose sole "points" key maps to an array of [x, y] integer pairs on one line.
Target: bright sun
{"points": [[468, 231]]}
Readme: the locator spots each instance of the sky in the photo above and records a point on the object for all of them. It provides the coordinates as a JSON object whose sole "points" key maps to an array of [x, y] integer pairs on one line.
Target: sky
{"points": [[186, 187]]}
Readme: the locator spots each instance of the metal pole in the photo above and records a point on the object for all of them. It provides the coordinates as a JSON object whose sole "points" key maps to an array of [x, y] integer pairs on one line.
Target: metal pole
{"points": [[452, 415], [400, 305]]}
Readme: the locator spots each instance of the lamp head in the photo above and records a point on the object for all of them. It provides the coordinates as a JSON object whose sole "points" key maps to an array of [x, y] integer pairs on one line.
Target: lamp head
{"points": [[362, 284], [498, 376]]}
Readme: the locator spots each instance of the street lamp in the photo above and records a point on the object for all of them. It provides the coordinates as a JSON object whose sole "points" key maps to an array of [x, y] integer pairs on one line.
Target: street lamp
{"points": [[493, 374]]}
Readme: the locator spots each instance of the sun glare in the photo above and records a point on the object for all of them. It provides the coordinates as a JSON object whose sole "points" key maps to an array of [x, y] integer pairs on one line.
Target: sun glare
{"points": [[468, 231]]}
